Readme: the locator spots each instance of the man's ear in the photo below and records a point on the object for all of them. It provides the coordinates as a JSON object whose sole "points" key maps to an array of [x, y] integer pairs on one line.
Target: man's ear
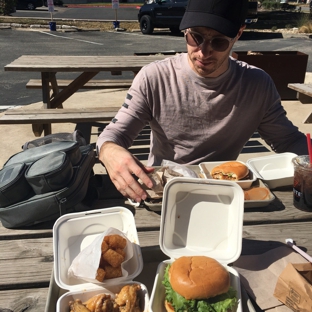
{"points": [[240, 32]]}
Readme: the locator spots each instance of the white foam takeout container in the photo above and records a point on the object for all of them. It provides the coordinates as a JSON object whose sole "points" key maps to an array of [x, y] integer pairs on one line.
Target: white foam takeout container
{"points": [[275, 170], [200, 217], [73, 232], [206, 168]]}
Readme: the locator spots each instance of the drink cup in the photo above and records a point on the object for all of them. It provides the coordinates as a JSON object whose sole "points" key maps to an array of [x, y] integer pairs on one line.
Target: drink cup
{"points": [[302, 183]]}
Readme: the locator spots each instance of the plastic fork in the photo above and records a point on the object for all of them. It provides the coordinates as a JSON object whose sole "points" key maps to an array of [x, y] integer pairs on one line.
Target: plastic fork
{"points": [[290, 242]]}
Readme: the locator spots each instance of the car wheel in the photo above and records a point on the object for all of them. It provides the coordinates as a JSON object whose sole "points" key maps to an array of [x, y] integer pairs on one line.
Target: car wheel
{"points": [[30, 6], [146, 25], [175, 30]]}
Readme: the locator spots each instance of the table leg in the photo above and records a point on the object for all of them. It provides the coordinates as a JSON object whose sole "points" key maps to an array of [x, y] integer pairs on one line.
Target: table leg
{"points": [[73, 87], [45, 78]]}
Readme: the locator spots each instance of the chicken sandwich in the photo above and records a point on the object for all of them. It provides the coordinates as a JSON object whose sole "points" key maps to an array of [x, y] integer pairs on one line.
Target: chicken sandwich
{"points": [[198, 283]]}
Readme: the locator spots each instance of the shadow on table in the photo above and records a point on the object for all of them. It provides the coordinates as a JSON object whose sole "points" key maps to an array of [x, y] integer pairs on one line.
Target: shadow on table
{"points": [[261, 246]]}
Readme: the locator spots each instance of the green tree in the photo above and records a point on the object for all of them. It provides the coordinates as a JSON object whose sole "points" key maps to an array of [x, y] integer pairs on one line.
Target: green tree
{"points": [[7, 7]]}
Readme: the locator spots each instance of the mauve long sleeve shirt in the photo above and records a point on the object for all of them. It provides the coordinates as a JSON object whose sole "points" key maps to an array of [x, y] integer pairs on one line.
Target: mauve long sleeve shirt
{"points": [[195, 119]]}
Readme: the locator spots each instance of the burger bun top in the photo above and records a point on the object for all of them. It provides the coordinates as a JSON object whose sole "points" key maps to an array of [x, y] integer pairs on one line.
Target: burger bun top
{"points": [[198, 277], [230, 170]]}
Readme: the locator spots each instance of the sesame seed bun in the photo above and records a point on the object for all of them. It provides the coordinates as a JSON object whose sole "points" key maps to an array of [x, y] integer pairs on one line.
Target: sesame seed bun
{"points": [[198, 277], [231, 170]]}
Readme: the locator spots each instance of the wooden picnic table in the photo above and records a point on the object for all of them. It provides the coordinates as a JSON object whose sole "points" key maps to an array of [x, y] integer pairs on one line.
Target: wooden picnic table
{"points": [[86, 67], [26, 259]]}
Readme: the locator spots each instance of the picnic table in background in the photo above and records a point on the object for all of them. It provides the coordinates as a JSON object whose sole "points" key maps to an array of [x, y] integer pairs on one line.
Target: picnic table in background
{"points": [[86, 67]]}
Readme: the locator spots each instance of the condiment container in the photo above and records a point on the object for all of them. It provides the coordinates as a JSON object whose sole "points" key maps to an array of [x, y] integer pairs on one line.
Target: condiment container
{"points": [[73, 232], [200, 217], [275, 170], [206, 168]]}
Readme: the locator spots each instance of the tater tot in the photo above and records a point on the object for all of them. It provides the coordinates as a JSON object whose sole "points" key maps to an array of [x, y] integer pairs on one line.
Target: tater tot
{"points": [[100, 274], [104, 246], [112, 272], [115, 241], [113, 258], [121, 252]]}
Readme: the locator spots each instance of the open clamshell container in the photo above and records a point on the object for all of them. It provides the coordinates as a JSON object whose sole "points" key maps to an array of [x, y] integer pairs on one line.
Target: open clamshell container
{"points": [[206, 168], [200, 217], [275, 170], [73, 232]]}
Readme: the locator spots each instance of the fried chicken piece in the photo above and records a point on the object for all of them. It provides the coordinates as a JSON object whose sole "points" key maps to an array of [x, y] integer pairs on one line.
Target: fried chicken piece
{"points": [[101, 303], [128, 299], [115, 241], [77, 306], [100, 274], [112, 272], [113, 258]]}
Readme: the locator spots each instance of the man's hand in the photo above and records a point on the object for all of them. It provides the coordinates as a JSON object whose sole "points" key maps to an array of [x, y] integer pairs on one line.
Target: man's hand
{"points": [[121, 165]]}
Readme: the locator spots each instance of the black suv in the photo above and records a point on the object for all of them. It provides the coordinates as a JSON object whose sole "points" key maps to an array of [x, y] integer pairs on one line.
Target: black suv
{"points": [[168, 14]]}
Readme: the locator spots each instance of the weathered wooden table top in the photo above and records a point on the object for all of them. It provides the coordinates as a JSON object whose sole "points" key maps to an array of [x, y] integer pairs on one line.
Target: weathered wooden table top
{"points": [[49, 63], [26, 258]]}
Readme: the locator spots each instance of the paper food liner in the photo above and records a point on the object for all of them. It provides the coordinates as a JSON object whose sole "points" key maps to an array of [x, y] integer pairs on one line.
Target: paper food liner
{"points": [[161, 176], [86, 263]]}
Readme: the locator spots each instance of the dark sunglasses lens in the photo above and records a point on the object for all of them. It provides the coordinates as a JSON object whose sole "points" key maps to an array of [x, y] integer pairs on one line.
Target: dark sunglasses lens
{"points": [[194, 40], [219, 44]]}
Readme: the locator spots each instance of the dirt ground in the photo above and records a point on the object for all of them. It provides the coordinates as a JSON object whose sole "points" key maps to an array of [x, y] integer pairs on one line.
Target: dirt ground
{"points": [[266, 20]]}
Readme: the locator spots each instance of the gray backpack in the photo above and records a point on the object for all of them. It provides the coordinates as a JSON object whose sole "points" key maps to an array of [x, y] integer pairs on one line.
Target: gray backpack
{"points": [[49, 178]]}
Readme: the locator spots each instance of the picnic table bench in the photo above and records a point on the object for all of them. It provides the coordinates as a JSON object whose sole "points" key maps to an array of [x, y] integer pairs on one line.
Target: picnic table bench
{"points": [[304, 91], [92, 84], [85, 118]]}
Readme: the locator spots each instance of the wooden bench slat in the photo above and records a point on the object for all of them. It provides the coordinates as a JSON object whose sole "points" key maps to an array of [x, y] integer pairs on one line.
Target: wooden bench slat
{"points": [[305, 88], [92, 84], [20, 116], [304, 91], [83, 110]]}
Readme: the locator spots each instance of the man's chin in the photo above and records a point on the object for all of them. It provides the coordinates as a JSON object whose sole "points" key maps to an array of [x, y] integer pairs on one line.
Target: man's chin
{"points": [[203, 71]]}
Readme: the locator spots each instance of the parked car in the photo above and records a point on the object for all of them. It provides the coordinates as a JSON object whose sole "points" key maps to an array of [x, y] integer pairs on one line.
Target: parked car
{"points": [[169, 13], [161, 14], [28, 4]]}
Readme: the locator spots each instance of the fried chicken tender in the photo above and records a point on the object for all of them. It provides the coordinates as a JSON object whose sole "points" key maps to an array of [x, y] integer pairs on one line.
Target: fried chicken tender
{"points": [[128, 299], [100, 274], [101, 303], [113, 258], [77, 306], [115, 241]]}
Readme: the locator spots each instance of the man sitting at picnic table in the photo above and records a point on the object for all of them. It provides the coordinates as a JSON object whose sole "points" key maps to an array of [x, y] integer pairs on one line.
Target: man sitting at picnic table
{"points": [[202, 105]]}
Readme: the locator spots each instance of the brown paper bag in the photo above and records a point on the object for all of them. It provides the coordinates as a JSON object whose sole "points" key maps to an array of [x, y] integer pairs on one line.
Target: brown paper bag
{"points": [[294, 288]]}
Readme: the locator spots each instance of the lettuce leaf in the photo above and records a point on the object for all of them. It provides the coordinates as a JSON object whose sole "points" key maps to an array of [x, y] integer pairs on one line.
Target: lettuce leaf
{"points": [[221, 303]]}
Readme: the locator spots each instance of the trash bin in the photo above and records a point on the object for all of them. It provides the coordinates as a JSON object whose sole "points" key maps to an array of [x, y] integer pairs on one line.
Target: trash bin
{"points": [[52, 26], [116, 24], [283, 66]]}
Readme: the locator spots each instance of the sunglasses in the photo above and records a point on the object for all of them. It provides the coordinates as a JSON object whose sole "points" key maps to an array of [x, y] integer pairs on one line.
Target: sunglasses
{"points": [[195, 39]]}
